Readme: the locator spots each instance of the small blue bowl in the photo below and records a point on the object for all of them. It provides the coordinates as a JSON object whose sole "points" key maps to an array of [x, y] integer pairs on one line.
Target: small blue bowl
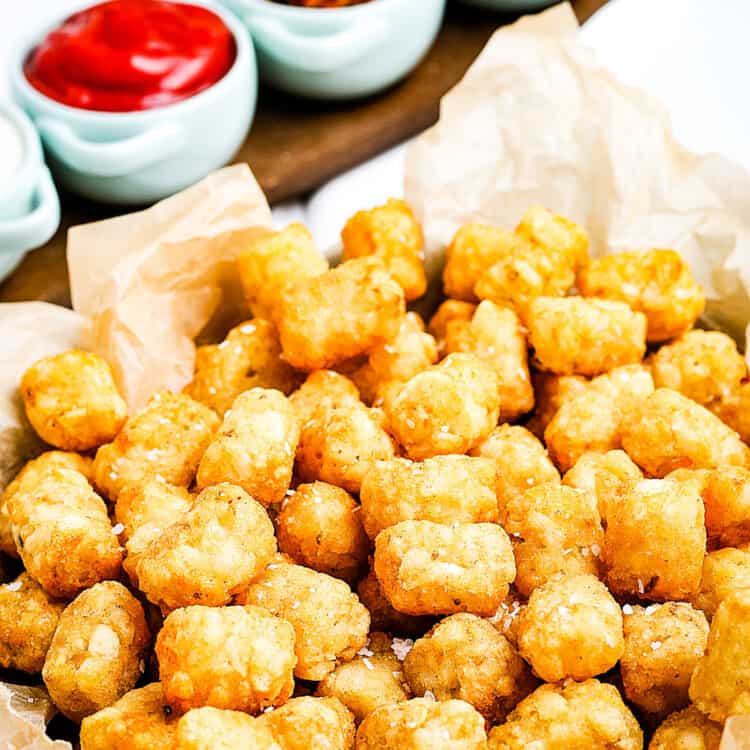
{"points": [[339, 53], [29, 206], [133, 158]]}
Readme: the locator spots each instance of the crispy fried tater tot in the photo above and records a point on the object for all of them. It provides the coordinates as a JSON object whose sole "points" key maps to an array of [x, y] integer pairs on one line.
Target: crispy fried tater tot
{"points": [[72, 401], [663, 643], [726, 495], [427, 568], [249, 357], [724, 571], [655, 541], [383, 615], [734, 411], [28, 618], [576, 336], [443, 489], [722, 676], [320, 526], [668, 431], [212, 552], [254, 447], [656, 282], [688, 729], [554, 529], [194, 646], [496, 337], [153, 503], [372, 679], [423, 724], [166, 439], [271, 261], [97, 652], [340, 314], [550, 391], [464, 657], [450, 310], [140, 720], [330, 623], [389, 232], [555, 233], [575, 716], [323, 389], [63, 533], [571, 628], [209, 728], [448, 408]]}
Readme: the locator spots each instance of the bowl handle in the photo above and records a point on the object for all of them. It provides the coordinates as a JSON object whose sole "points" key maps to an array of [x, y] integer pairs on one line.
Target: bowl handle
{"points": [[37, 226], [317, 54], [111, 158]]}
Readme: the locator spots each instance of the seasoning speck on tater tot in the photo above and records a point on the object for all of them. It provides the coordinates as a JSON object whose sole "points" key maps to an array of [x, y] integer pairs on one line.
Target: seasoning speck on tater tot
{"points": [[254, 446], [726, 496], [392, 234], [28, 618], [496, 337], [427, 568], [657, 283], [449, 311], [140, 720], [213, 551], [320, 526], [423, 724], [688, 729], [383, 615], [166, 439], [72, 401], [448, 408], [586, 715], [97, 652], [330, 622], [576, 336], [724, 571], [209, 728], [340, 314], [505, 620], [443, 489], [668, 431], [554, 233], [465, 657], [663, 643], [240, 658], [655, 541], [554, 529]]}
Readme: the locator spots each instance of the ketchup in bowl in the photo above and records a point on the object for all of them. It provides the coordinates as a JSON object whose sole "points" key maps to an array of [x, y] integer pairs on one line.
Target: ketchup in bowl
{"points": [[131, 55]]}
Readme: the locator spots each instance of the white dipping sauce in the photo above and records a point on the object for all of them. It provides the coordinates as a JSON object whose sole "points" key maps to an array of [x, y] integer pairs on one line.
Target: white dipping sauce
{"points": [[11, 150]]}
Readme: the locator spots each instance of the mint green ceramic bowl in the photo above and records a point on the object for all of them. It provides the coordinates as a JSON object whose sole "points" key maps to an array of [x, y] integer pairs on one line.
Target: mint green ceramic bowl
{"points": [[339, 53], [140, 157]]}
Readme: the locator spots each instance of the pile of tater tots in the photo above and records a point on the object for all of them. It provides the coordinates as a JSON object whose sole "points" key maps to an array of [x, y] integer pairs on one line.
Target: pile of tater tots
{"points": [[524, 523]]}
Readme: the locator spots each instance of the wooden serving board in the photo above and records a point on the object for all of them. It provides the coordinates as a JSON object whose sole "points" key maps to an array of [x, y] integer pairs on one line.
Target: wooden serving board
{"points": [[296, 145]]}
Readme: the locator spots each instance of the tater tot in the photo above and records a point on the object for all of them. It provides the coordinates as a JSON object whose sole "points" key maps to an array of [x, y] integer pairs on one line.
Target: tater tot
{"points": [[464, 657], [209, 728], [555, 233], [166, 439], [449, 310], [271, 261], [576, 336], [340, 314], [97, 652], [63, 533], [496, 337], [688, 729], [505, 620], [443, 489], [323, 389], [448, 408], [724, 571], [554, 529], [330, 622], [550, 391], [668, 431], [655, 541], [734, 411], [212, 552], [663, 643], [656, 282], [726, 495], [28, 618], [423, 724], [382, 614], [239, 658], [153, 503], [140, 720], [372, 679], [254, 446], [586, 715], [391, 233], [571, 628], [72, 401], [320, 526], [249, 357], [722, 676], [427, 568]]}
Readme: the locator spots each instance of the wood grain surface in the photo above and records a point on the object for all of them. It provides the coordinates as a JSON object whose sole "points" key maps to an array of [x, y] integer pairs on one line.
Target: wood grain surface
{"points": [[296, 145]]}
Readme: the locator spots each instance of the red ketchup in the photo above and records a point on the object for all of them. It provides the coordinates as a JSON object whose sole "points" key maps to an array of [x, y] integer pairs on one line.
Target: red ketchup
{"points": [[130, 55]]}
